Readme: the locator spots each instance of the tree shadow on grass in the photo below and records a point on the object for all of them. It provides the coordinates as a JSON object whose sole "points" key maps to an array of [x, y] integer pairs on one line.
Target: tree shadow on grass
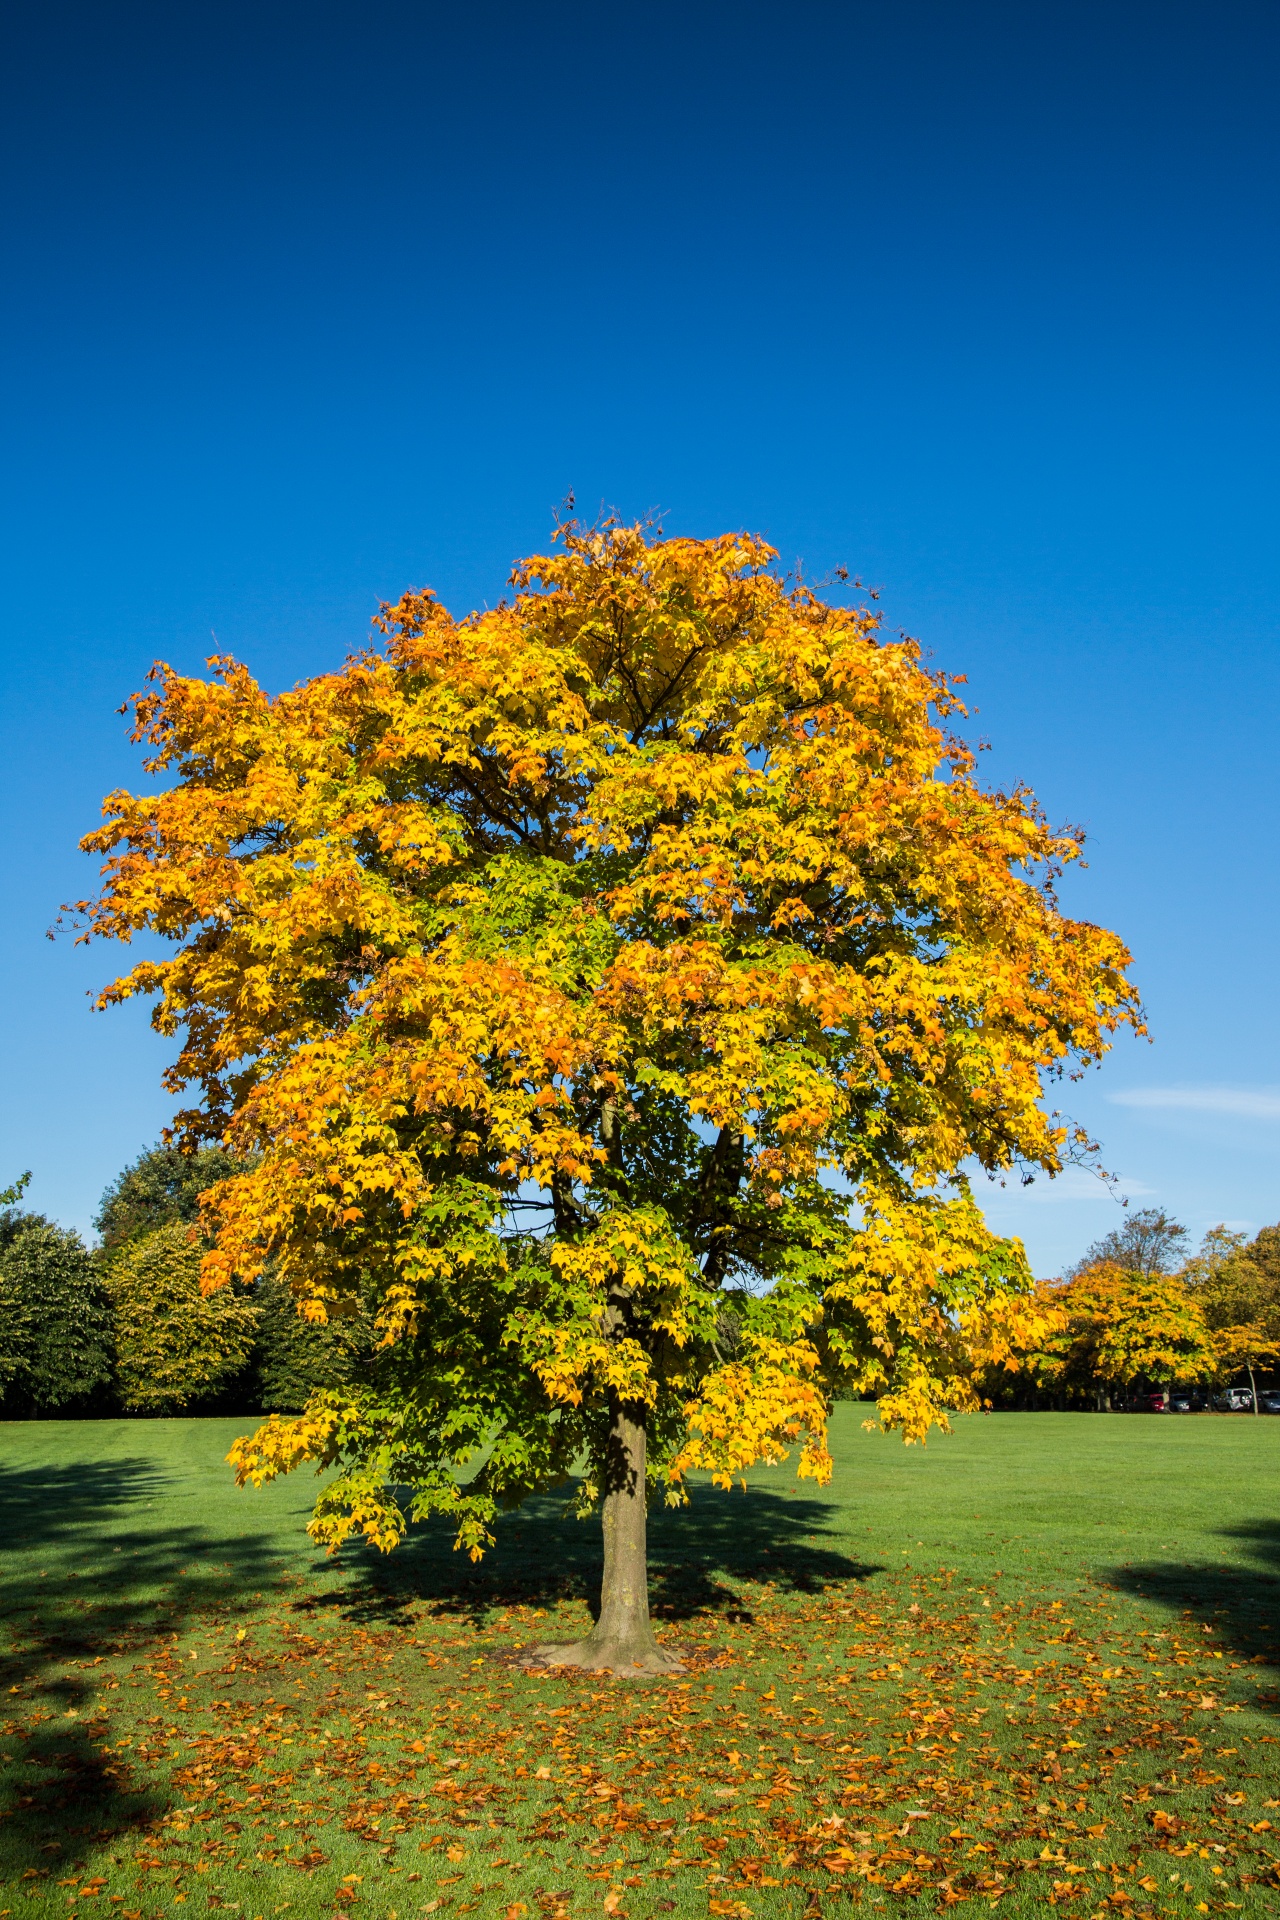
{"points": [[80, 1576], [543, 1556], [80, 1582], [1240, 1604], [91, 1581]]}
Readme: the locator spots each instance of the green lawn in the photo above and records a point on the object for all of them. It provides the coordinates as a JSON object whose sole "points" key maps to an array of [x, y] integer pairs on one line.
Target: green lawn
{"points": [[1033, 1664]]}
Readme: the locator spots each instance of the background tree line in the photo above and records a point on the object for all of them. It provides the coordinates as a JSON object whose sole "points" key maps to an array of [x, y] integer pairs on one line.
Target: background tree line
{"points": [[124, 1326], [1138, 1313]]}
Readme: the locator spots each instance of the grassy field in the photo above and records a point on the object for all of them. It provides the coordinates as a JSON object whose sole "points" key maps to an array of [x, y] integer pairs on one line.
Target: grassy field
{"points": [[1033, 1665]]}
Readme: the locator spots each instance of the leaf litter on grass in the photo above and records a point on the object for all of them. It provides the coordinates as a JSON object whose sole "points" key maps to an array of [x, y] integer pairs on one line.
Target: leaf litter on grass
{"points": [[920, 1743]]}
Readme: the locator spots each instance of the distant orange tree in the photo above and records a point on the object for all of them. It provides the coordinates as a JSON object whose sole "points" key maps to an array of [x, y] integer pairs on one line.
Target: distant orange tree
{"points": [[604, 992], [1116, 1327]]}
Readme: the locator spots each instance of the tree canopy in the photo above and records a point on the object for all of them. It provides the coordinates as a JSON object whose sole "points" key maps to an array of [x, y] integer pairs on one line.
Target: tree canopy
{"points": [[609, 989], [174, 1343], [295, 1357], [1148, 1241], [157, 1189], [1236, 1286], [55, 1320], [1116, 1327], [174, 1347]]}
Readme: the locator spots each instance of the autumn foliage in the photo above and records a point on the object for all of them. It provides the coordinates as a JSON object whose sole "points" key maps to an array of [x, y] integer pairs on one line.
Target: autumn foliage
{"points": [[605, 992], [1117, 1326]]}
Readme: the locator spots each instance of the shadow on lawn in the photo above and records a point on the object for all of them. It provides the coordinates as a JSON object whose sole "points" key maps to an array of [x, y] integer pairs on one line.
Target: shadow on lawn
{"points": [[1240, 1604], [543, 1556], [86, 1577], [79, 1575], [81, 1580]]}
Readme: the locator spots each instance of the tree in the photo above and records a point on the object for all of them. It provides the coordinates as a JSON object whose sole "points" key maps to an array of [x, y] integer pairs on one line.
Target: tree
{"points": [[1118, 1326], [1149, 1242], [639, 949], [55, 1320], [1264, 1256], [295, 1359], [1065, 1356], [1237, 1288], [1154, 1329], [174, 1344], [160, 1187], [291, 1358], [1249, 1345]]}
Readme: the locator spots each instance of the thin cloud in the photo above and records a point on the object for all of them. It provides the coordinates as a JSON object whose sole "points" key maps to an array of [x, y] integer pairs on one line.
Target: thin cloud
{"points": [[1241, 1103]]}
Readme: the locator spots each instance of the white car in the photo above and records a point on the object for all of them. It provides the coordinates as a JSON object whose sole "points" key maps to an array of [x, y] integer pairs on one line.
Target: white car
{"points": [[1235, 1400]]}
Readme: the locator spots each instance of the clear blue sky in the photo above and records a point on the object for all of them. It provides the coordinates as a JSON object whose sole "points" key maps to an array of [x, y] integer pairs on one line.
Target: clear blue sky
{"points": [[308, 304]]}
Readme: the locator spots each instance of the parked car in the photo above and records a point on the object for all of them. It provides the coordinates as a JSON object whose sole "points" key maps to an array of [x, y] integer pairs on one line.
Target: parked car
{"points": [[1187, 1400], [1234, 1400], [1269, 1402], [1147, 1403]]}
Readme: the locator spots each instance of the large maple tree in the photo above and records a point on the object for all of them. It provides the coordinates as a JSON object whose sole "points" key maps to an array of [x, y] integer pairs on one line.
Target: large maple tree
{"points": [[607, 992]]}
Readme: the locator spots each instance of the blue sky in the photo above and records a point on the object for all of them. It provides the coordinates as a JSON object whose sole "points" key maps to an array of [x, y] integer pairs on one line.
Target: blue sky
{"points": [[309, 304]]}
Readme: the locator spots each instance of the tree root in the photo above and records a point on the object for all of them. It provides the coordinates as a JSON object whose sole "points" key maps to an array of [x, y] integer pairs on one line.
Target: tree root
{"points": [[624, 1657]]}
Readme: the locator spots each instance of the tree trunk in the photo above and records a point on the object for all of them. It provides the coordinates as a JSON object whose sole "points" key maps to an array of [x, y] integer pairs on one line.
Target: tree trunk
{"points": [[622, 1640], [1253, 1387]]}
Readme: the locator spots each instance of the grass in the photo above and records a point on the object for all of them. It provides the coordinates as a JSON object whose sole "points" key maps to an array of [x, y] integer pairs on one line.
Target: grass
{"points": [[1033, 1665]]}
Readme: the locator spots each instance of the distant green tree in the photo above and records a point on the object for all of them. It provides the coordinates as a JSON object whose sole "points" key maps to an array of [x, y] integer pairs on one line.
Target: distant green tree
{"points": [[1264, 1254], [174, 1349], [160, 1187], [174, 1345], [1148, 1242], [55, 1317], [296, 1358]]}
